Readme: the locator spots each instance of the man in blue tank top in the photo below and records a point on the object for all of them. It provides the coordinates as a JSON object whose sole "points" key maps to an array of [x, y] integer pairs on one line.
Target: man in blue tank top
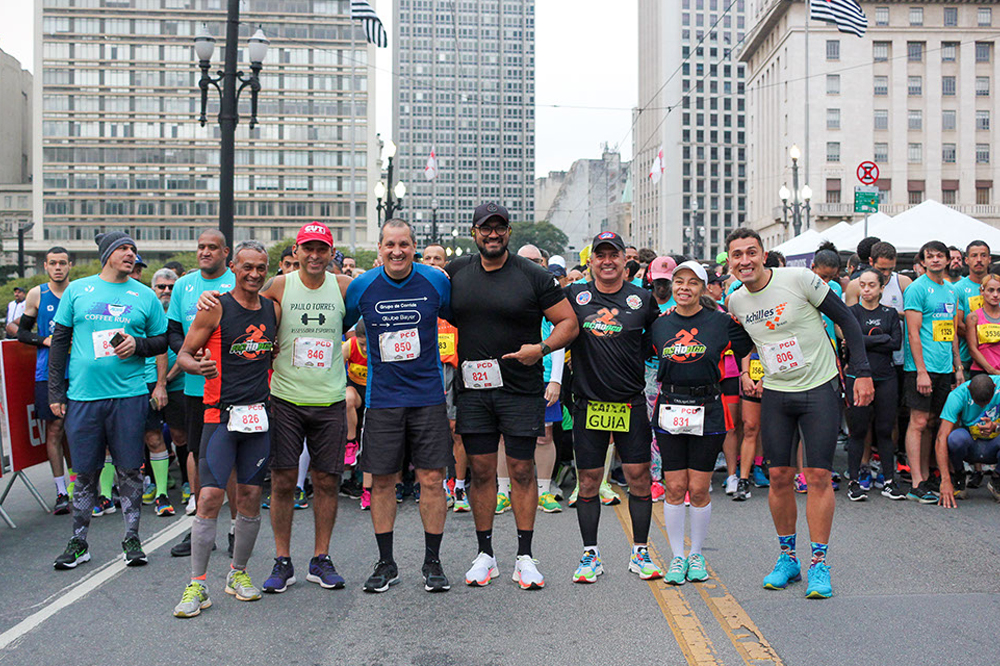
{"points": [[40, 306]]}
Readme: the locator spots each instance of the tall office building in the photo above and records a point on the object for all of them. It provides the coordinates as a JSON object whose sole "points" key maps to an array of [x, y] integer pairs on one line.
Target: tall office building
{"points": [[15, 153], [917, 96], [692, 105], [118, 144], [466, 89]]}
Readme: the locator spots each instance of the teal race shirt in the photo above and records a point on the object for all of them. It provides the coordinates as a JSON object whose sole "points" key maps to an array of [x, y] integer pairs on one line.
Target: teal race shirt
{"points": [[969, 300], [831, 331], [964, 413], [936, 302], [175, 384], [184, 306], [96, 309]]}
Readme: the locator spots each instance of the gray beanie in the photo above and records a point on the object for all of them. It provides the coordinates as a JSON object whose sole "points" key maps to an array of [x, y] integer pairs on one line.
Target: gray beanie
{"points": [[111, 241]]}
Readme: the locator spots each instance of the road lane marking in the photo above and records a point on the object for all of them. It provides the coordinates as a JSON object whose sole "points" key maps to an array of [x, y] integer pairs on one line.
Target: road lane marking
{"points": [[81, 588], [687, 628]]}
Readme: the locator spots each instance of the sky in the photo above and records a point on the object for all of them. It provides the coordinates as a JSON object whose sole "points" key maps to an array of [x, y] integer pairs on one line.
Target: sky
{"points": [[585, 56]]}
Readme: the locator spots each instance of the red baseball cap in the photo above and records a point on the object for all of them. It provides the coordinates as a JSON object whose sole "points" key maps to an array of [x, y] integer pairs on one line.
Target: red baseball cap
{"points": [[314, 231]]}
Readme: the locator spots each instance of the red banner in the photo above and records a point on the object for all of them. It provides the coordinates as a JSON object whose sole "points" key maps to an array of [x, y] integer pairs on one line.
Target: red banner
{"points": [[23, 431]]}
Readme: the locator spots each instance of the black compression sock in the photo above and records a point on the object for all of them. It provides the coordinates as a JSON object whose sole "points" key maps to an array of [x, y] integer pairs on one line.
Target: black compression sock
{"points": [[640, 509], [485, 539], [384, 541], [524, 542], [588, 513], [432, 546]]}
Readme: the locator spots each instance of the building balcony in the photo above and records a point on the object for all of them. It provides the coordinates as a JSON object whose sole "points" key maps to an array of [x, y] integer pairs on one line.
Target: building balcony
{"points": [[846, 210]]}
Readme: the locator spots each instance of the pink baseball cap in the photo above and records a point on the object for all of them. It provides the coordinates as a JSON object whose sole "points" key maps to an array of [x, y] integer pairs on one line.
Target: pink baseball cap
{"points": [[314, 231], [662, 268]]}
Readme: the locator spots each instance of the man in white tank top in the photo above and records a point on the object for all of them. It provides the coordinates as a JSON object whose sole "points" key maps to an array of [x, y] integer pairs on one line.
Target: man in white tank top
{"points": [[883, 259]]}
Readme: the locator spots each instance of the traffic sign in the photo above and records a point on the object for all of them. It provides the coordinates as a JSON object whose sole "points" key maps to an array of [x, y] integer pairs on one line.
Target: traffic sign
{"points": [[865, 199], [868, 172]]}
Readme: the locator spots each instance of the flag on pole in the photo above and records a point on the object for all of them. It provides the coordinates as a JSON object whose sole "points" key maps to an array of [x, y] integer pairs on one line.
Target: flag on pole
{"points": [[845, 14], [431, 169], [657, 171], [363, 11]]}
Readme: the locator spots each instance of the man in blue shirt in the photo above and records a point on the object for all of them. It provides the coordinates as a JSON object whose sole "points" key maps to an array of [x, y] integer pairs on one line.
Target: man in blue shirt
{"points": [[970, 423], [401, 302], [113, 322]]}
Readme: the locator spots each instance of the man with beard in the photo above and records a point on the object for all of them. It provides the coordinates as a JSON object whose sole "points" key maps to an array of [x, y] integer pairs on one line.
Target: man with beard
{"points": [[954, 272], [977, 258]]}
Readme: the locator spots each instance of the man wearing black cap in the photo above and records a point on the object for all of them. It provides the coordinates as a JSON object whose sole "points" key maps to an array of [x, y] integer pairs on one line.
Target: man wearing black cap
{"points": [[498, 301], [113, 323]]}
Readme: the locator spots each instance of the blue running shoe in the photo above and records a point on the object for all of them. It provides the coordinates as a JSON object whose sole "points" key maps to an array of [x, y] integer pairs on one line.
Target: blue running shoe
{"points": [[880, 481], [786, 571], [265, 503], [282, 575], [819, 582], [758, 478], [865, 478], [322, 571]]}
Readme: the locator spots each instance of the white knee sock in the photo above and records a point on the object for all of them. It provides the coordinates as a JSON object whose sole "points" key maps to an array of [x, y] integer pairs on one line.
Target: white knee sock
{"points": [[673, 517], [700, 517], [544, 486], [503, 485]]}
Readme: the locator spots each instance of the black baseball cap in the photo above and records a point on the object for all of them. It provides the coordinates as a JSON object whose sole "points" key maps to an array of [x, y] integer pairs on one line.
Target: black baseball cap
{"points": [[715, 279], [610, 238], [487, 210]]}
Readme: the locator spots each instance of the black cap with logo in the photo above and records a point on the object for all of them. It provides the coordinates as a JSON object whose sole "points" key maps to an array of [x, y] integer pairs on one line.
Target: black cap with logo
{"points": [[610, 238], [487, 210]]}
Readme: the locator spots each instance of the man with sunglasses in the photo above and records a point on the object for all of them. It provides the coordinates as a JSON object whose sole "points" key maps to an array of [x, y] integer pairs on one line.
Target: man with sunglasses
{"points": [[498, 301]]}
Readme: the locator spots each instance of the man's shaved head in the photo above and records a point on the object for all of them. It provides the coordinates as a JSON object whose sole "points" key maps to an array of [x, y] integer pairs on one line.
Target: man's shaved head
{"points": [[529, 251]]}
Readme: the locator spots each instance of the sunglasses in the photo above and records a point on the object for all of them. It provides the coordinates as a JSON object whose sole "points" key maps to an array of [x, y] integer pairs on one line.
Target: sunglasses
{"points": [[168, 287]]}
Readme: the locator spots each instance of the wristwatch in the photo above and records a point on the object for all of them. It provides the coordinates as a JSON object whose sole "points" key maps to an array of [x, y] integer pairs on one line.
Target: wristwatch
{"points": [[545, 348]]}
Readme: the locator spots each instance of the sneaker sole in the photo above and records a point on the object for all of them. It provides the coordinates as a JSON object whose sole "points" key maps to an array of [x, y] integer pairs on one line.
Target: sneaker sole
{"points": [[493, 573], [145, 503], [462, 509], [739, 498], [698, 580], [136, 561], [921, 500], [277, 590], [529, 586], [818, 595], [206, 604], [61, 512], [588, 581], [501, 511], [544, 510], [636, 570], [860, 498], [72, 565], [772, 586], [674, 582], [319, 581], [165, 512], [895, 498], [383, 588], [239, 596], [613, 502], [434, 590]]}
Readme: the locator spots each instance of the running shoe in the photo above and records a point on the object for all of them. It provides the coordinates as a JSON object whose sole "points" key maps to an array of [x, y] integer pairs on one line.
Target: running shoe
{"points": [[503, 503], [993, 485], [856, 492], [76, 553], [875, 464], [322, 572], [192, 506], [835, 481], [879, 481], [786, 570], [163, 507], [742, 490], [104, 506], [687, 498], [239, 585], [590, 567], [922, 493], [556, 491], [657, 491], [351, 488], [282, 575], [547, 503], [182, 549], [642, 564], [732, 482], [193, 601], [483, 570], [608, 496], [975, 480], [71, 485], [384, 575], [760, 480], [617, 477], [265, 501], [461, 501], [819, 582], [366, 500], [300, 499], [449, 495], [958, 481], [720, 462], [892, 491], [132, 552], [185, 492], [351, 452], [62, 505], [148, 492], [677, 572], [526, 573], [416, 493], [571, 502], [800, 484], [864, 478], [434, 578], [399, 493], [697, 570]]}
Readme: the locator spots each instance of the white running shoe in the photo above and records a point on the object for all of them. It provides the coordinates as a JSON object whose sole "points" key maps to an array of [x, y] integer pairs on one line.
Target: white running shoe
{"points": [[720, 462], [483, 570], [731, 482], [192, 506], [526, 574]]}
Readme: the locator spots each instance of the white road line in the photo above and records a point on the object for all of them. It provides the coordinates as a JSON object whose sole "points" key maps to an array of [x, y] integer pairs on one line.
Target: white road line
{"points": [[88, 584]]}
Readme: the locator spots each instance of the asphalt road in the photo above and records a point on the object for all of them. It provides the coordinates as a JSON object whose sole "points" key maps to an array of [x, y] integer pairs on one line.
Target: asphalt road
{"points": [[914, 584]]}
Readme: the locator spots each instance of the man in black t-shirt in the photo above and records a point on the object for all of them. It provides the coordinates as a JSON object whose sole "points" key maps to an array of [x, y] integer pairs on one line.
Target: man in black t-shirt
{"points": [[609, 381], [498, 300]]}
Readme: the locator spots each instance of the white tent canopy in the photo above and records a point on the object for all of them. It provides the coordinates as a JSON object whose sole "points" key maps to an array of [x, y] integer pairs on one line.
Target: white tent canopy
{"points": [[935, 221], [848, 241]]}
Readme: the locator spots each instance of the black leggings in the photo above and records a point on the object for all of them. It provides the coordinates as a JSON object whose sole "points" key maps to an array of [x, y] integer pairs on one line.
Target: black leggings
{"points": [[883, 409]]}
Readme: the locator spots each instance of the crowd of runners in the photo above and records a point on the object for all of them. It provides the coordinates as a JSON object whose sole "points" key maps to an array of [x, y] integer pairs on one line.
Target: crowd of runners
{"points": [[489, 383]]}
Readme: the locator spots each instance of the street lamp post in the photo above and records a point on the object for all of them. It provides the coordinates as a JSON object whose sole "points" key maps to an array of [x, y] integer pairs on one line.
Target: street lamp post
{"points": [[800, 197], [393, 195], [21, 231], [204, 45]]}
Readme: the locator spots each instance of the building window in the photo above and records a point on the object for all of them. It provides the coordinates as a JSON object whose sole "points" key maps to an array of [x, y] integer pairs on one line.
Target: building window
{"points": [[881, 119], [833, 49], [833, 196], [916, 197], [983, 121], [982, 86], [833, 84], [948, 119], [880, 51], [915, 51], [949, 51], [983, 51], [881, 85], [915, 153], [950, 17], [832, 151], [916, 15], [984, 17], [948, 153], [983, 196], [915, 120], [949, 197], [948, 86], [833, 119], [914, 86], [881, 15], [982, 153]]}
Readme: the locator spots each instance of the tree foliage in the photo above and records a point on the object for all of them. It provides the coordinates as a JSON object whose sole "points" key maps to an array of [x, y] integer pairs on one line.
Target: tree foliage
{"points": [[542, 235]]}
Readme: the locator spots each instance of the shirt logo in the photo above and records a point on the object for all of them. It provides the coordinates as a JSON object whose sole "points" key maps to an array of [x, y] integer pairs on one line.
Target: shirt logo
{"points": [[89, 288], [769, 316], [109, 310], [321, 318], [634, 302], [684, 348], [189, 288], [583, 298], [252, 344], [603, 324], [133, 293], [50, 308]]}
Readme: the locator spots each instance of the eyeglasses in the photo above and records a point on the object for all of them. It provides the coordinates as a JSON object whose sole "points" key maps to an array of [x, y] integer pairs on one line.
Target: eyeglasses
{"points": [[539, 261], [168, 287], [499, 230]]}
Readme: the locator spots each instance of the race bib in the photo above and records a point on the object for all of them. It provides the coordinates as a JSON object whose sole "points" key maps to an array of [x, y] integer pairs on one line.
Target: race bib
{"points": [[102, 342], [401, 345], [988, 333], [974, 429], [756, 370], [248, 418], [608, 416], [446, 344], [683, 419], [482, 374], [358, 373], [975, 302], [312, 353], [943, 330], [782, 357]]}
